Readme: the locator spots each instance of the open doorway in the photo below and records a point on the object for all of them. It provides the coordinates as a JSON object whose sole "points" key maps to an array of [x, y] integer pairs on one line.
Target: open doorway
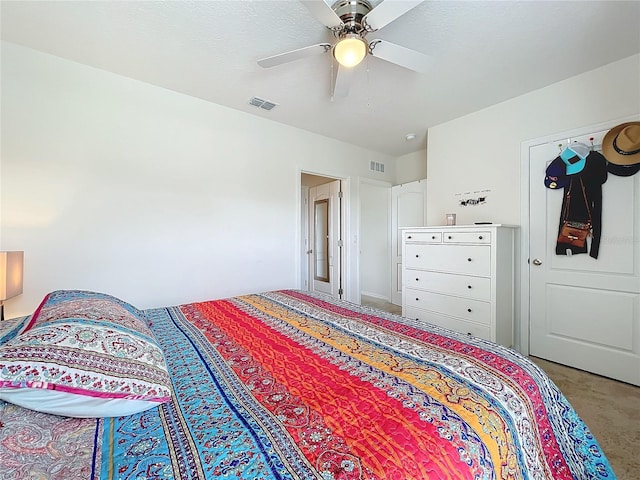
{"points": [[323, 265]]}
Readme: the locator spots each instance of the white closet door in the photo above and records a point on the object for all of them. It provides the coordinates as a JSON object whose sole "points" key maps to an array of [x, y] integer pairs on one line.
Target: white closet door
{"points": [[408, 209]]}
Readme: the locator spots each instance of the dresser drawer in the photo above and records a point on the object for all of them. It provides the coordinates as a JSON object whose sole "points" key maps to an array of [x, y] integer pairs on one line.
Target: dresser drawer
{"points": [[462, 326], [465, 259], [423, 237], [478, 288], [467, 237], [465, 308]]}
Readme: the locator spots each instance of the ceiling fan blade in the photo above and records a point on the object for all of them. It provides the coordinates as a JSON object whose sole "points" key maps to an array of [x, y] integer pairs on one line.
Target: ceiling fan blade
{"points": [[323, 13], [342, 77], [387, 11], [286, 57], [405, 57]]}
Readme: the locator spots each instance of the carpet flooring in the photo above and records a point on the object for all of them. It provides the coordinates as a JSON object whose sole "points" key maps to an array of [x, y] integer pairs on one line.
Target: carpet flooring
{"points": [[611, 409]]}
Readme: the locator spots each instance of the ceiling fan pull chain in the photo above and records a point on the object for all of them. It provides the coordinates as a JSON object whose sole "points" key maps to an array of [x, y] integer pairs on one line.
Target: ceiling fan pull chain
{"points": [[332, 80], [368, 84]]}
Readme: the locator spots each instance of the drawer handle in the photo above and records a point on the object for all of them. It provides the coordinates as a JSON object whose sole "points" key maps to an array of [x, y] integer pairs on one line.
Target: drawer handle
{"points": [[469, 287], [417, 280], [417, 256], [409, 237], [469, 259], [480, 237], [433, 237], [469, 310], [417, 299], [449, 237]]}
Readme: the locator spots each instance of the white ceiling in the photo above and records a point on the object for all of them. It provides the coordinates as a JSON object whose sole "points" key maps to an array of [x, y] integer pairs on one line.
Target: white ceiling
{"points": [[484, 52]]}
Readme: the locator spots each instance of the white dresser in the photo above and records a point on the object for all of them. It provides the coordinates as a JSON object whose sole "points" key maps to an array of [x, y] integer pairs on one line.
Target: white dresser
{"points": [[461, 278]]}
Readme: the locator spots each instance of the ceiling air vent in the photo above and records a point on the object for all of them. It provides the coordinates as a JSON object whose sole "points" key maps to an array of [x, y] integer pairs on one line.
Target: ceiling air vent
{"points": [[261, 103]]}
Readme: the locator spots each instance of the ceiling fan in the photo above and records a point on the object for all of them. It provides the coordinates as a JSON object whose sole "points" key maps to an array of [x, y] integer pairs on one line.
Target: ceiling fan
{"points": [[351, 21]]}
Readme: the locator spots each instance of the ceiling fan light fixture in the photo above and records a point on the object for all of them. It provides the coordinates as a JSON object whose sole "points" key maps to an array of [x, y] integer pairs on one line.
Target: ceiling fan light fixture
{"points": [[350, 50]]}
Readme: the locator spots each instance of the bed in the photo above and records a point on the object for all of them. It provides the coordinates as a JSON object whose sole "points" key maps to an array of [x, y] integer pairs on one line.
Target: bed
{"points": [[279, 385]]}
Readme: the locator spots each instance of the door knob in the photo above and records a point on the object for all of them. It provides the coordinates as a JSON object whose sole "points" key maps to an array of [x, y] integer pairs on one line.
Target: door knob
{"points": [[536, 261]]}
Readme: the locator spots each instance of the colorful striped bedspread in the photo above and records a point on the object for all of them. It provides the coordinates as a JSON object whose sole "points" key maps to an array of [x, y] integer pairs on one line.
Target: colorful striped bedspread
{"points": [[291, 385]]}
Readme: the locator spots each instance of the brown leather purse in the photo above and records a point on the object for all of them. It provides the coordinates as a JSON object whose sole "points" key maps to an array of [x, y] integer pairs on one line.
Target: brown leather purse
{"points": [[572, 232]]}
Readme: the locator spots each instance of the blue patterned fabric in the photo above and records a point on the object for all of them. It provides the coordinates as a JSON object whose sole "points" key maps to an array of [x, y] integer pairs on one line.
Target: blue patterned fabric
{"points": [[215, 422], [12, 327]]}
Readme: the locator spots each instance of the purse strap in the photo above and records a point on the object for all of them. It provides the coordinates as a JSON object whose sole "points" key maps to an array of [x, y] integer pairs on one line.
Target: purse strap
{"points": [[586, 202]]}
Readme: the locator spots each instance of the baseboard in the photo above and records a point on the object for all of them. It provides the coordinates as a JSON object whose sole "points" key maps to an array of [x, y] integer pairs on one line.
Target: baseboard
{"points": [[376, 295]]}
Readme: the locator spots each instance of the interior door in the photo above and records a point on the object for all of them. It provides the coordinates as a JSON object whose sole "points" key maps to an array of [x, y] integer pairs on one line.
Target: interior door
{"points": [[408, 209], [325, 235], [585, 312]]}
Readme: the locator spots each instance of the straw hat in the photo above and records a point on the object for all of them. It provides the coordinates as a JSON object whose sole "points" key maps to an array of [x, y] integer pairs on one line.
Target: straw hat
{"points": [[621, 144]]}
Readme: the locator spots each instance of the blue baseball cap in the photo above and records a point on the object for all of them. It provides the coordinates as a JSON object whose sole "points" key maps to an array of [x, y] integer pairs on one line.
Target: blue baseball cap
{"points": [[556, 176], [574, 158]]}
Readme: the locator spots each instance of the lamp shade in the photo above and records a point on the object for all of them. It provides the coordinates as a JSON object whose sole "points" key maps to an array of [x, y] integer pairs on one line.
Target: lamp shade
{"points": [[350, 50], [10, 274]]}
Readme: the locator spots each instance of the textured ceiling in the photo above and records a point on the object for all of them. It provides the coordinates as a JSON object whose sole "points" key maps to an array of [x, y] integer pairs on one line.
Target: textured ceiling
{"points": [[483, 52]]}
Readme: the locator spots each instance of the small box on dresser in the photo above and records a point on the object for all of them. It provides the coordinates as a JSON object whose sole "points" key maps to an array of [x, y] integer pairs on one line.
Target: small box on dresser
{"points": [[461, 277]]}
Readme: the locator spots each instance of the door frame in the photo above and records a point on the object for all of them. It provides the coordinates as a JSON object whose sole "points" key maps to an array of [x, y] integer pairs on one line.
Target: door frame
{"points": [[303, 225], [523, 283]]}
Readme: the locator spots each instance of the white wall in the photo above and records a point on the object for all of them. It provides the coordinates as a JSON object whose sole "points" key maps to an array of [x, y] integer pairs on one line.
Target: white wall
{"points": [[114, 185], [411, 167], [481, 151], [375, 238]]}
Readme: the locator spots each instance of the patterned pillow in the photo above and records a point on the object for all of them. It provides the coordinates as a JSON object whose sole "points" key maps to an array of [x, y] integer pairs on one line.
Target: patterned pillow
{"points": [[11, 328], [84, 354]]}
